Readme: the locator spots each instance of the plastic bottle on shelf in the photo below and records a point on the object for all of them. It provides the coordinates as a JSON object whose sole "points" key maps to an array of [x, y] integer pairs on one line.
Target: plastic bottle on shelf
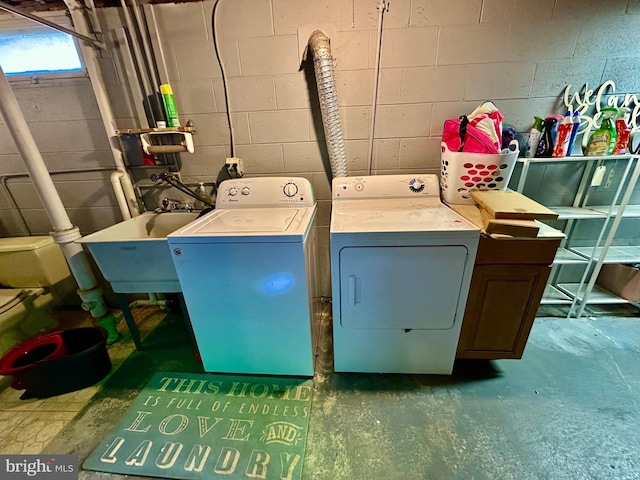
{"points": [[603, 140], [548, 138], [534, 137], [623, 132], [574, 132], [564, 135]]}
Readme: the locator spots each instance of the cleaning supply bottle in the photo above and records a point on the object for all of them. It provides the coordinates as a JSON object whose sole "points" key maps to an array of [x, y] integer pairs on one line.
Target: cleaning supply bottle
{"points": [[623, 132], [574, 132], [169, 105], [564, 135], [548, 138], [201, 192], [534, 136], [603, 140]]}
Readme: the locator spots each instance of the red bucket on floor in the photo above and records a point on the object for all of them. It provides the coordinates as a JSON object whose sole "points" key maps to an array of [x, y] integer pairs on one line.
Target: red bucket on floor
{"points": [[58, 362]]}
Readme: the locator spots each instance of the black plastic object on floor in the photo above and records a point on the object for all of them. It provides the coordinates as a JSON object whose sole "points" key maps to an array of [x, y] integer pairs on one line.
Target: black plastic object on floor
{"points": [[84, 363]]}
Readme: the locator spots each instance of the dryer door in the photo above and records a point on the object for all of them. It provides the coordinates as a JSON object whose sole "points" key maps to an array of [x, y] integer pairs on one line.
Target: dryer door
{"points": [[401, 287]]}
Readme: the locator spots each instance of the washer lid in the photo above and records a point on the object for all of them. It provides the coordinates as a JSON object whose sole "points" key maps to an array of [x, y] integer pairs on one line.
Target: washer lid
{"points": [[248, 224], [246, 220], [397, 215]]}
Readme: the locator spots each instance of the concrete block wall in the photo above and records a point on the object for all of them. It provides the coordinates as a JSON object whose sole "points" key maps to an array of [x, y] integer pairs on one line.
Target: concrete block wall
{"points": [[439, 59]]}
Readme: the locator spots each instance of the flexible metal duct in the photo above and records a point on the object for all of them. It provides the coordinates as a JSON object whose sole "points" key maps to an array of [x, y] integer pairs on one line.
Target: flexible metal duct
{"points": [[327, 93]]}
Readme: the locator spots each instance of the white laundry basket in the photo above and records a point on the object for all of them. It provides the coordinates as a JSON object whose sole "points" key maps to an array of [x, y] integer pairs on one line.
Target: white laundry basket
{"points": [[461, 172]]}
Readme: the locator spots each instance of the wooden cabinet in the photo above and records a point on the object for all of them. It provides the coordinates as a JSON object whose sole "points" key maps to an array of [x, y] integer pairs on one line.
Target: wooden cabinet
{"points": [[509, 278]]}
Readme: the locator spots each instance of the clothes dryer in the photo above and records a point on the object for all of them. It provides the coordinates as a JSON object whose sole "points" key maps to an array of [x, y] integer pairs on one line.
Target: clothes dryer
{"points": [[248, 276], [401, 264]]}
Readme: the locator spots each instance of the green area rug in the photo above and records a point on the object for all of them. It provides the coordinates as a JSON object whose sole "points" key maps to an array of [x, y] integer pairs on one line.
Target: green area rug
{"points": [[206, 426]]}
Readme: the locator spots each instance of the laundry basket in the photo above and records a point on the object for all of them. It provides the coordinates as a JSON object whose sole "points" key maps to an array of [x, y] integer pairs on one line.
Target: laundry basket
{"points": [[461, 172]]}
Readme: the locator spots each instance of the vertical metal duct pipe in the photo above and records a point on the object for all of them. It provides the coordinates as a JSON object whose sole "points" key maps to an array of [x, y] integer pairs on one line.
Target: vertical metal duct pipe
{"points": [[64, 232], [120, 180], [327, 93]]}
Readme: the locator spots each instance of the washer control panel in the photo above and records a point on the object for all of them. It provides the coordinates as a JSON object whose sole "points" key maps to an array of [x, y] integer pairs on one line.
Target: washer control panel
{"points": [[265, 192], [386, 186]]}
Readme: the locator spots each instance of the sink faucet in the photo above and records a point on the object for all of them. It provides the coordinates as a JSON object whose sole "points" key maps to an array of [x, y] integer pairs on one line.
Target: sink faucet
{"points": [[173, 205]]}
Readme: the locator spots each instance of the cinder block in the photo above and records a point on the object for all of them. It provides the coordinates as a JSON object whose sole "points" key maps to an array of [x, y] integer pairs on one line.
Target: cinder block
{"points": [[434, 84], [609, 36], [421, 153], [445, 110], [500, 80], [86, 193], [304, 157], [294, 91], [355, 122], [280, 126], [173, 18], [553, 76], [592, 9], [213, 129], [559, 40], [269, 55], [7, 147], [519, 113], [288, 14], [357, 153], [445, 12], [83, 135], [242, 18], [73, 101], [354, 87], [351, 50], [92, 219], [252, 94], [197, 60], [386, 154], [390, 86], [505, 11], [490, 44], [11, 224], [394, 121], [194, 96], [365, 15], [260, 159], [205, 161], [408, 47]]}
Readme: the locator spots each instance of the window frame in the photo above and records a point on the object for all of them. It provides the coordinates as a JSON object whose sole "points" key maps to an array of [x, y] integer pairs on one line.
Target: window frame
{"points": [[17, 25]]}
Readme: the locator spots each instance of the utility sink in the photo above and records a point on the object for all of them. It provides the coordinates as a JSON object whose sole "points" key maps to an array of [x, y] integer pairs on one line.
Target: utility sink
{"points": [[134, 255]]}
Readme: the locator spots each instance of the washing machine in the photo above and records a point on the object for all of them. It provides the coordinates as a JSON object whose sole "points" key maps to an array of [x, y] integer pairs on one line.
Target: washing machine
{"points": [[401, 264], [248, 275]]}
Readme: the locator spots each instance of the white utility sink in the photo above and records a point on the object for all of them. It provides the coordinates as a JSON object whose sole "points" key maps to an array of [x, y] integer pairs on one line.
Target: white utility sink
{"points": [[134, 255]]}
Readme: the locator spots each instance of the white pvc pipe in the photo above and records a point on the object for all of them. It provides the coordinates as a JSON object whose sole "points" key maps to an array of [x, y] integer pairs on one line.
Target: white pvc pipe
{"points": [[30, 154], [104, 105], [381, 6], [64, 233], [118, 190]]}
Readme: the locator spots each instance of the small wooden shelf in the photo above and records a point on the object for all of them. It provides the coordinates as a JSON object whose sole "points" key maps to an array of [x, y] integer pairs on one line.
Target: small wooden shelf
{"points": [[137, 131]]}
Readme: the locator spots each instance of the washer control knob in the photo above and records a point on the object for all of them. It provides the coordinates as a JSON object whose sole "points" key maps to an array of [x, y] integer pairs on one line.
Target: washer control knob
{"points": [[246, 190], [416, 185], [290, 189], [359, 187], [233, 191]]}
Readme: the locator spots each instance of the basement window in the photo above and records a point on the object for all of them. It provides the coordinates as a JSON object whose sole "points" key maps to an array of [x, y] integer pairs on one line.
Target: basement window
{"points": [[38, 52]]}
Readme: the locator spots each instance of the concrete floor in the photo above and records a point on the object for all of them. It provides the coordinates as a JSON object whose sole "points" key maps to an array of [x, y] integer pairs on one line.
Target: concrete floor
{"points": [[568, 410]]}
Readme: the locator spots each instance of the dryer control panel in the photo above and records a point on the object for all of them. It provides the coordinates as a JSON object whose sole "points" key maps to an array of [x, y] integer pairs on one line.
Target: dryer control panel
{"points": [[386, 186], [265, 192]]}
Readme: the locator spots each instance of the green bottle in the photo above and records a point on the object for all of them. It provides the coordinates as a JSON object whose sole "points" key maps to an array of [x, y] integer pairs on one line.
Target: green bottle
{"points": [[603, 140]]}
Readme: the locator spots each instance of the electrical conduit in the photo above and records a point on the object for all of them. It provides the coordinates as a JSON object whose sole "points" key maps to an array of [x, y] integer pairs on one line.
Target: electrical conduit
{"points": [[123, 188], [64, 232], [327, 93]]}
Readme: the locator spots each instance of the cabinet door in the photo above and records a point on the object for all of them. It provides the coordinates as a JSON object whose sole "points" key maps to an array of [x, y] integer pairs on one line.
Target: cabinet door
{"points": [[501, 307]]}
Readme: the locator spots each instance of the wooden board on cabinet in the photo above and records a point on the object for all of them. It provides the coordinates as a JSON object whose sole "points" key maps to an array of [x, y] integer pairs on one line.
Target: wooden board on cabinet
{"points": [[508, 204], [508, 226]]}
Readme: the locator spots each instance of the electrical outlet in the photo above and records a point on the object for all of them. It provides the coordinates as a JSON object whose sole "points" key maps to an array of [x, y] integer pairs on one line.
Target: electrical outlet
{"points": [[305, 31], [609, 179]]}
